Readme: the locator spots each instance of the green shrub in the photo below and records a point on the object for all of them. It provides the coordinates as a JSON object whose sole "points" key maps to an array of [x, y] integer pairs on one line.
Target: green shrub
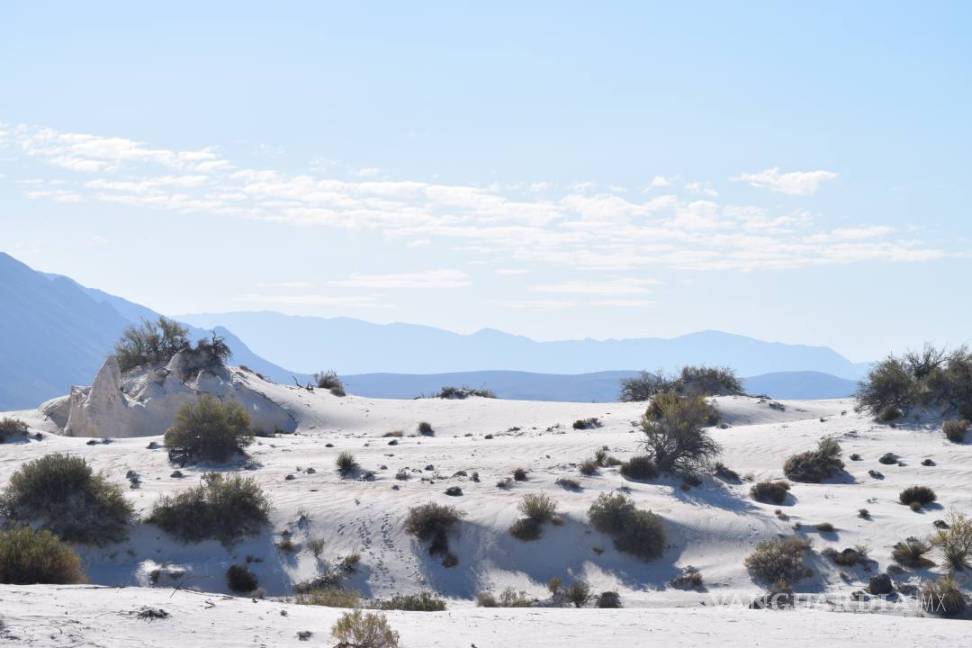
{"points": [[28, 557], [240, 579], [608, 600], [11, 428], [770, 492], [508, 598], [889, 386], [779, 560], [917, 496], [431, 523], [526, 529], [329, 596], [330, 381], [359, 630], [815, 465], [538, 506], [519, 474], [578, 593], [224, 509], [955, 541], [930, 378], [644, 387], [588, 468], [587, 424], [942, 597], [640, 468], [634, 531], [425, 429], [346, 463], [150, 342], [61, 493], [674, 434], [209, 430], [421, 602], [691, 381], [911, 553], [462, 393], [955, 430]]}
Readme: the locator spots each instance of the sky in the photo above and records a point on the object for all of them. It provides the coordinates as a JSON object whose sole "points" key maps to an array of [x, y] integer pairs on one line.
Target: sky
{"points": [[796, 172]]}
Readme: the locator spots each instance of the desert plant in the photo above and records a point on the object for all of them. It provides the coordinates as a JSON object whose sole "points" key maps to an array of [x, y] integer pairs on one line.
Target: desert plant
{"points": [[588, 468], [927, 378], [578, 593], [955, 541], [770, 492], [708, 381], [916, 497], [360, 630], [587, 424], [150, 342], [644, 386], [11, 428], [331, 595], [955, 430], [425, 429], [28, 557], [508, 598], [538, 506], [639, 468], [519, 474], [569, 484], [61, 493], [209, 430], [634, 531], [942, 597], [911, 553], [223, 508], [462, 393], [674, 432], [526, 529], [608, 600], [779, 560], [689, 579], [346, 463], [815, 465], [421, 602], [431, 523], [240, 579], [330, 381]]}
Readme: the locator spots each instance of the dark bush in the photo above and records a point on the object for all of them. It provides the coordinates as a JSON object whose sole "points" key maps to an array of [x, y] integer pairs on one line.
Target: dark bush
{"points": [[770, 492], [674, 434], [888, 459], [425, 429], [779, 560], [917, 496], [462, 393], [11, 428], [431, 523], [930, 378], [815, 465], [609, 600], [955, 430], [519, 474], [209, 430], [889, 386], [644, 387], [640, 468], [359, 630], [942, 597], [421, 602], [150, 342], [539, 507], [62, 494], [587, 424], [346, 463], [569, 484], [578, 593], [221, 508], [634, 531], [689, 579], [526, 529], [330, 381], [29, 557], [691, 381], [588, 468], [240, 579]]}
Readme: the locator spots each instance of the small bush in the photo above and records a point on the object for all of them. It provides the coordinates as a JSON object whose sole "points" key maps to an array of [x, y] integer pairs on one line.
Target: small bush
{"points": [[346, 463], [689, 579], [11, 428], [691, 381], [640, 468], [578, 593], [587, 424], [62, 494], [508, 598], [209, 430], [917, 496], [359, 630], [588, 468], [942, 597], [779, 560], [329, 596], [150, 342], [569, 484], [674, 434], [240, 579], [955, 541], [825, 527], [725, 473], [770, 492], [608, 600], [955, 430], [462, 393], [815, 465], [526, 529], [637, 532], [221, 508], [425, 429], [29, 557], [330, 381], [538, 507], [421, 602], [519, 474], [432, 523]]}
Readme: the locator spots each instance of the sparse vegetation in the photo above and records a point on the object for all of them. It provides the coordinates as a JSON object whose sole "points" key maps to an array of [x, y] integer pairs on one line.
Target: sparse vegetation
{"points": [[634, 531], [431, 523], [330, 381], [639, 468], [770, 492], [329, 595], [364, 630], [942, 597], [608, 600], [955, 430], [507, 598], [917, 497], [425, 429], [538, 509], [815, 465], [911, 553], [240, 579], [421, 602], [691, 381], [62, 494], [569, 484], [462, 393], [11, 428], [588, 468], [689, 579], [346, 463], [955, 541], [151, 342], [674, 432], [930, 378], [28, 557], [519, 474], [779, 560], [209, 430], [578, 593], [587, 424], [223, 508]]}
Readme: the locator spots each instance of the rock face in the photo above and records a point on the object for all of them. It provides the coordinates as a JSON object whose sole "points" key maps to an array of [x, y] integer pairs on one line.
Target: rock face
{"points": [[144, 401]]}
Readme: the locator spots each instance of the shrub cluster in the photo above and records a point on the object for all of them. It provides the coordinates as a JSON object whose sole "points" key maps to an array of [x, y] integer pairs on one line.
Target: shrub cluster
{"points": [[674, 432], [634, 531], [61, 493], [461, 393], [150, 342], [346, 463], [431, 523], [587, 424], [770, 492], [209, 430], [917, 497], [931, 378], [639, 468], [911, 553], [942, 597], [28, 557], [779, 560], [955, 541], [955, 430], [507, 598], [815, 465], [537, 509], [11, 428], [421, 602], [240, 579], [364, 630], [330, 381], [331, 595], [691, 381], [223, 508]]}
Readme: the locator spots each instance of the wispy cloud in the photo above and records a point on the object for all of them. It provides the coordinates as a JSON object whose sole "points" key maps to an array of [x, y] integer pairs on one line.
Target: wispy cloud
{"points": [[795, 183], [616, 286], [427, 279]]}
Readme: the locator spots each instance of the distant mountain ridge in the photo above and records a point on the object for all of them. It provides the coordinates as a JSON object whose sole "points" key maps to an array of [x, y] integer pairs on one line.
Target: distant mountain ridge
{"points": [[352, 346]]}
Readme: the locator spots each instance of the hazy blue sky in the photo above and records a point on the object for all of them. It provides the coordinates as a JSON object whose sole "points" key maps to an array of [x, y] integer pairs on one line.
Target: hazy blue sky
{"points": [[791, 171]]}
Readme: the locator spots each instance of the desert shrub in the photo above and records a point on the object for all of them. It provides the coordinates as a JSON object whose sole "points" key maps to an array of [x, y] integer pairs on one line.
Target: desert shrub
{"points": [[708, 381], [11, 428], [209, 430], [61, 493], [942, 597], [889, 385], [640, 468], [346, 463], [917, 497], [779, 560], [846, 557], [587, 424], [331, 595], [770, 492], [927, 378], [421, 602], [588, 468], [825, 527], [538, 506], [526, 529], [330, 381], [568, 484], [643, 387], [674, 434], [955, 541], [431, 523], [28, 557], [224, 508], [955, 430], [425, 429], [911, 553], [364, 630], [578, 593], [150, 342], [507, 598], [724, 472], [608, 600], [519, 474], [690, 578], [634, 531], [815, 465], [240, 579], [462, 393]]}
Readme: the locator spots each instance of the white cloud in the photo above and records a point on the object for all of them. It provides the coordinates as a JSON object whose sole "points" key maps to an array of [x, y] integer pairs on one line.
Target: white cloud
{"points": [[660, 182], [369, 172], [795, 183], [511, 272], [616, 286], [426, 279], [539, 304]]}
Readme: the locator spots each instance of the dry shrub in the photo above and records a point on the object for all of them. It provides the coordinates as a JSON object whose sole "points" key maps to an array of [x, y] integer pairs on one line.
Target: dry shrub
{"points": [[634, 531], [815, 465], [779, 560], [364, 630], [29, 557], [955, 541], [770, 492]]}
